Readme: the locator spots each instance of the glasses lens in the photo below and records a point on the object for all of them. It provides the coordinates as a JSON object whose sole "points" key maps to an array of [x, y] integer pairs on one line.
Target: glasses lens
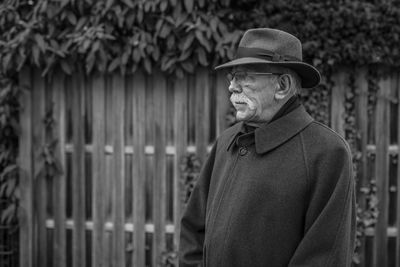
{"points": [[230, 76], [239, 76]]}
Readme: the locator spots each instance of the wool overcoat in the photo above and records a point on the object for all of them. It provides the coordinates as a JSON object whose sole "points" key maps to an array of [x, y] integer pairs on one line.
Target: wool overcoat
{"points": [[283, 196]]}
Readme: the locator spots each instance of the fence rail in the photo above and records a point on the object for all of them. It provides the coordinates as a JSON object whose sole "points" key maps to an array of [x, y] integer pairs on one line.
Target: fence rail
{"points": [[120, 143]]}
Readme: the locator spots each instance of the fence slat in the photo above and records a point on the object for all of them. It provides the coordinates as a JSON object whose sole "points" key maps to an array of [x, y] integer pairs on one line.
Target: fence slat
{"points": [[98, 171], [118, 87], [397, 251], [139, 169], [382, 171], [180, 131], [59, 193], [78, 174], [159, 184], [202, 115], [361, 106], [38, 94], [27, 249], [222, 103], [337, 107]]}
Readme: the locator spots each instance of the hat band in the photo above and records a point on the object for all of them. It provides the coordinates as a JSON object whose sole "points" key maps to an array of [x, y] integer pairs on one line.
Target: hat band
{"points": [[263, 54]]}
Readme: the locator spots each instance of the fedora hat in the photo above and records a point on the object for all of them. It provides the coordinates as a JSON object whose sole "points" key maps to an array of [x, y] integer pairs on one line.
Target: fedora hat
{"points": [[274, 47]]}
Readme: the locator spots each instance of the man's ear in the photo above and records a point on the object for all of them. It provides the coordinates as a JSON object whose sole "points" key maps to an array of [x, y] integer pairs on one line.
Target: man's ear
{"points": [[284, 86]]}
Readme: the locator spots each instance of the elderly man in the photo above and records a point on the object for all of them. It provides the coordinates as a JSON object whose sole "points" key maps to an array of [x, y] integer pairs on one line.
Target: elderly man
{"points": [[277, 188]]}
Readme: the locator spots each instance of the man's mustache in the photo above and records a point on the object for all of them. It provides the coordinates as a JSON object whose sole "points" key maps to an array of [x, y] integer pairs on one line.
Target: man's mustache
{"points": [[235, 98]]}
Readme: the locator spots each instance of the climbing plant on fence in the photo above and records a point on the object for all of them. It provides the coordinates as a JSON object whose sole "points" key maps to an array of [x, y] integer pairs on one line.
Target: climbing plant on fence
{"points": [[178, 36]]}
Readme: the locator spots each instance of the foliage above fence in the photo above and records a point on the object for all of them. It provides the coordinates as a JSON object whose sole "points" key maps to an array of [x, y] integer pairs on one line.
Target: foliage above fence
{"points": [[176, 35]]}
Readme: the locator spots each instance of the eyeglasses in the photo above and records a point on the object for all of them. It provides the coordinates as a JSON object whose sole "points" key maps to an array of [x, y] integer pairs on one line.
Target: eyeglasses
{"points": [[245, 76]]}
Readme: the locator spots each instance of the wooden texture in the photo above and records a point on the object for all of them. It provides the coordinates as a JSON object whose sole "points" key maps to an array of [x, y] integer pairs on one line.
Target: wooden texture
{"points": [[27, 248], [337, 100], [98, 171], [397, 84], [78, 172], [361, 109], [159, 182], [202, 117], [139, 170], [180, 137], [382, 171], [138, 129], [38, 95], [118, 170], [59, 193]]}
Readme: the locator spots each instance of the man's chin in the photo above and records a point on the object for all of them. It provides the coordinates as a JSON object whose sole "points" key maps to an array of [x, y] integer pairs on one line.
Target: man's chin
{"points": [[244, 117]]}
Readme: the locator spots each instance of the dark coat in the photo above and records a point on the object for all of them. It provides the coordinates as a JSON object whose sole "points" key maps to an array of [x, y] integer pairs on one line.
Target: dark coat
{"points": [[281, 196]]}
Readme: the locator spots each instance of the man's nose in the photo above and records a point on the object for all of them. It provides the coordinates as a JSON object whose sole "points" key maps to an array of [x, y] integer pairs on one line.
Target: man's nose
{"points": [[234, 87]]}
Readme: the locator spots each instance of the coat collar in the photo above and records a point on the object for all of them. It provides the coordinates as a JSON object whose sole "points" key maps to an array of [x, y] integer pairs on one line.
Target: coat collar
{"points": [[272, 135]]}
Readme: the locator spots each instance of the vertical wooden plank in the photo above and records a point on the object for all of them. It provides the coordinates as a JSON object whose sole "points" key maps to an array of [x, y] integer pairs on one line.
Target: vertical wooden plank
{"points": [[59, 193], [27, 250], [361, 106], [382, 172], [139, 168], [222, 102], [38, 94], [118, 87], [202, 112], [337, 104], [397, 85], [98, 171], [181, 128], [159, 185], [78, 173]]}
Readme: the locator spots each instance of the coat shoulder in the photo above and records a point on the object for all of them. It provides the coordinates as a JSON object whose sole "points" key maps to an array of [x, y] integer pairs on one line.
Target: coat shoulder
{"points": [[318, 135]]}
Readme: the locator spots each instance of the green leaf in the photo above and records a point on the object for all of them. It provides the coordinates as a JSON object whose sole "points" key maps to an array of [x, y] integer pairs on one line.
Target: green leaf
{"points": [[202, 40], [64, 3], [40, 41], [109, 4], [156, 53], [188, 42], [10, 188], [65, 67], [81, 22], [125, 57], [35, 54], [71, 18], [147, 65], [8, 170], [8, 214], [201, 55], [140, 15], [114, 64], [188, 5], [165, 31], [136, 55], [129, 3], [164, 5], [90, 59], [188, 66]]}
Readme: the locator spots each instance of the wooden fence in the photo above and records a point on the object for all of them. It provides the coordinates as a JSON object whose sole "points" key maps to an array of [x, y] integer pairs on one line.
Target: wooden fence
{"points": [[120, 142]]}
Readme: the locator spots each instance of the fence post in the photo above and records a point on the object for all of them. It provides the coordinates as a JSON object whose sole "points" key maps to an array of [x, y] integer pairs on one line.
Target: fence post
{"points": [[26, 252]]}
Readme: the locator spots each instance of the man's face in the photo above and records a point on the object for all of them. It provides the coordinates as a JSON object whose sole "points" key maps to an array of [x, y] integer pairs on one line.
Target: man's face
{"points": [[253, 95]]}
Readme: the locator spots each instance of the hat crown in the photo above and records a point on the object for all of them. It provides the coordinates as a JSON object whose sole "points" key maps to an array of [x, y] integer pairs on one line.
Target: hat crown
{"points": [[273, 40]]}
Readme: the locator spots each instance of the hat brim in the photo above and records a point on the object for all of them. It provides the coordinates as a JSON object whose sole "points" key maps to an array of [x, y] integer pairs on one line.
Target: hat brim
{"points": [[310, 76]]}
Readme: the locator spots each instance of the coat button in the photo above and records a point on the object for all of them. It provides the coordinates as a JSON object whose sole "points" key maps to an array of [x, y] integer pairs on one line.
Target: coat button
{"points": [[242, 151]]}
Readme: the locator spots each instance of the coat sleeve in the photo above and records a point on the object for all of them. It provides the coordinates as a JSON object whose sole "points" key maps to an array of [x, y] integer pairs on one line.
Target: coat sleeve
{"points": [[193, 219], [330, 219]]}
